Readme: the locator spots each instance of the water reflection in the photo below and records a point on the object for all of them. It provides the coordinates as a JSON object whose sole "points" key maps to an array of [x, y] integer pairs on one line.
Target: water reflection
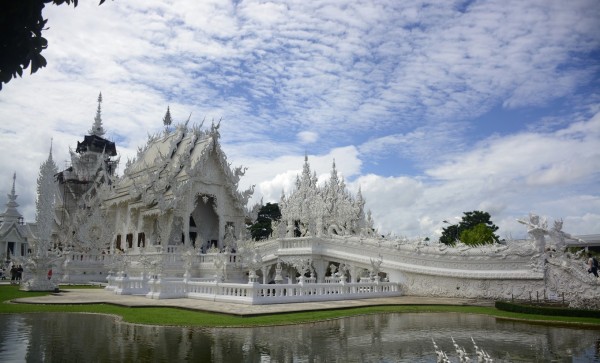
{"points": [[373, 338]]}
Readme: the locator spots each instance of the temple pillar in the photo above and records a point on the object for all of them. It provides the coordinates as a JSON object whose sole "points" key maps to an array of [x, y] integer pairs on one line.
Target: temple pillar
{"points": [[186, 228], [321, 269], [125, 245], [319, 227], [188, 208], [290, 228], [264, 270], [354, 271], [118, 225], [138, 230]]}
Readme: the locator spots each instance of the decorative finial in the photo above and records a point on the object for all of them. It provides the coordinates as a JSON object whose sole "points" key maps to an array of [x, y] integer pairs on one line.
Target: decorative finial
{"points": [[97, 128], [167, 120], [12, 192]]}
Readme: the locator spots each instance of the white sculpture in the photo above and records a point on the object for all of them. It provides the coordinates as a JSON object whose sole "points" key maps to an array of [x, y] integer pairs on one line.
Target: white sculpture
{"points": [[537, 229], [44, 254], [375, 268]]}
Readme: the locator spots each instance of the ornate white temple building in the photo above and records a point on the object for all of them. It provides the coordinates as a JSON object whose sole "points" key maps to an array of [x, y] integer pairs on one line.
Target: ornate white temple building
{"points": [[14, 233], [175, 225]]}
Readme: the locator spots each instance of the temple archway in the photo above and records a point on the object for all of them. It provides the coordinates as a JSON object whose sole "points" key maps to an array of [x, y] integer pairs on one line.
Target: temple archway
{"points": [[206, 222]]}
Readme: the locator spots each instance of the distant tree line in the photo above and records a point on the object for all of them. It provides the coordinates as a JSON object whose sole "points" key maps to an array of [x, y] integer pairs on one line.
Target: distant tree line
{"points": [[475, 228]]}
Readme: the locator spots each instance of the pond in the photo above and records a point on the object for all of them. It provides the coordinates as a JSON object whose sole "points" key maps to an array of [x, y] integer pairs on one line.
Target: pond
{"points": [[398, 337]]}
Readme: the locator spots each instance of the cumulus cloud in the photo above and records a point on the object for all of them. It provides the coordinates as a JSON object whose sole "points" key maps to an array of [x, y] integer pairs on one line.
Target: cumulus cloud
{"points": [[374, 82], [552, 174], [307, 137]]}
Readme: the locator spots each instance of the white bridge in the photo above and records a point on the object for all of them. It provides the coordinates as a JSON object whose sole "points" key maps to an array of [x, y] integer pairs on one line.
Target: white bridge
{"points": [[340, 268]]}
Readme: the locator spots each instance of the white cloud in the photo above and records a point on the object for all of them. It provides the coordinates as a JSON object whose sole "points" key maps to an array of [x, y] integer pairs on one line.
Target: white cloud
{"points": [[367, 80], [308, 137], [550, 174]]}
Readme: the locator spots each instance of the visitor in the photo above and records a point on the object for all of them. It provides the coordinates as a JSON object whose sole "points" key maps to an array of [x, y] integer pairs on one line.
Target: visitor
{"points": [[49, 274], [13, 274], [593, 265], [19, 272]]}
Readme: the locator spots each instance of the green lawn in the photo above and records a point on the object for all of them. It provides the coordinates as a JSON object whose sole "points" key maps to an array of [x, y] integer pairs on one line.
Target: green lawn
{"points": [[182, 317]]}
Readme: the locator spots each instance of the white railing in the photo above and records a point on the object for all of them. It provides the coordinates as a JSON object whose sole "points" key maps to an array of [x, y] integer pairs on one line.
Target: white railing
{"points": [[273, 294], [295, 243], [255, 293], [86, 259], [125, 285]]}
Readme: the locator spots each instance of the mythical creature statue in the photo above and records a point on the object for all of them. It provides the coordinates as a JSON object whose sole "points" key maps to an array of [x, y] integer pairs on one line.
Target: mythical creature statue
{"points": [[375, 268], [537, 229]]}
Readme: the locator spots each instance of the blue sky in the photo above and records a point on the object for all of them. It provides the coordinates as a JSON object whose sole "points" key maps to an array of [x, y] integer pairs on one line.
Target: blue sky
{"points": [[433, 108]]}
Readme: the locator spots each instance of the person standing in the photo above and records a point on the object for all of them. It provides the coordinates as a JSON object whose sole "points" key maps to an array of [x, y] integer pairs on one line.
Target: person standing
{"points": [[13, 274]]}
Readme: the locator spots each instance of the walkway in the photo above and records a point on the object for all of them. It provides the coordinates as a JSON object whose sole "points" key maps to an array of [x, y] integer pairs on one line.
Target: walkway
{"points": [[100, 296]]}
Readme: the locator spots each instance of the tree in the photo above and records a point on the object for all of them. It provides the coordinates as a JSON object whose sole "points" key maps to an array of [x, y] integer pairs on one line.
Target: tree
{"points": [[481, 234], [21, 41], [262, 228], [449, 235], [470, 222]]}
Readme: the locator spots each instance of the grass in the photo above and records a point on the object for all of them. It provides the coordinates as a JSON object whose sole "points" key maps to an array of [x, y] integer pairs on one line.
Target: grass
{"points": [[182, 317]]}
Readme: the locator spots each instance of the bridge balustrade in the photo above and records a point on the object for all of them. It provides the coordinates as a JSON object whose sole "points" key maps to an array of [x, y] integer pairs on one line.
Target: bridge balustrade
{"points": [[295, 243], [126, 285], [273, 294], [255, 293], [85, 258]]}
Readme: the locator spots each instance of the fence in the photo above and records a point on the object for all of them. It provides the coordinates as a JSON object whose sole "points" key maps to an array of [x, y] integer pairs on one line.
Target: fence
{"points": [[251, 293]]}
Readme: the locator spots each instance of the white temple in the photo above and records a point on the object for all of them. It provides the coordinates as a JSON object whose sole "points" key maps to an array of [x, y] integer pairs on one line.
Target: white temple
{"points": [[174, 225], [14, 233]]}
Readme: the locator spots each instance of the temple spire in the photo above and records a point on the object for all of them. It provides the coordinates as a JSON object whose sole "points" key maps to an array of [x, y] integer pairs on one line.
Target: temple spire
{"points": [[46, 190], [167, 120], [97, 128], [11, 214], [12, 195]]}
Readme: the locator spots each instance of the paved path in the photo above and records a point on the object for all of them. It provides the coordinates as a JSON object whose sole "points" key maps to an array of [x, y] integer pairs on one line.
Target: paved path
{"points": [[100, 296]]}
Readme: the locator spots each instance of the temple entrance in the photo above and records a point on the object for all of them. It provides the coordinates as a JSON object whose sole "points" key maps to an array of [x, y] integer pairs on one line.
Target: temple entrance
{"points": [[10, 250], [193, 233], [206, 222]]}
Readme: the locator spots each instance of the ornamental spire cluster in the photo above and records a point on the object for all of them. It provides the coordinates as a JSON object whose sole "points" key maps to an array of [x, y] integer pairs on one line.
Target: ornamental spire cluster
{"points": [[322, 210], [46, 189]]}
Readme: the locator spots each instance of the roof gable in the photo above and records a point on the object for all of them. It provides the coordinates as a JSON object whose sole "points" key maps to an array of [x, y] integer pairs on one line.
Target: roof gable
{"points": [[170, 160]]}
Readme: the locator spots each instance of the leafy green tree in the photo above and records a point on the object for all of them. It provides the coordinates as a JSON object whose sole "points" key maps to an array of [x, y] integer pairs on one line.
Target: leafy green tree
{"points": [[21, 41], [449, 235], [469, 221], [262, 228], [481, 234]]}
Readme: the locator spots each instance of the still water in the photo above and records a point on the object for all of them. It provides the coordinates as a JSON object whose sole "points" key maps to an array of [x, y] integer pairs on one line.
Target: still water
{"points": [[374, 338]]}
